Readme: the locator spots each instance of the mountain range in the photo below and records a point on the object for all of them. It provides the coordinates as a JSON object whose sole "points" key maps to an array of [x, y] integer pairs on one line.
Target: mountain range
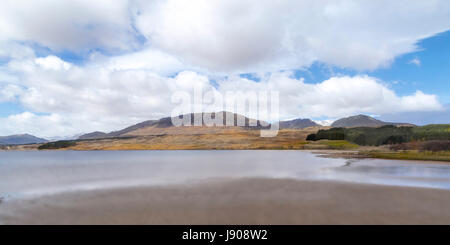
{"points": [[20, 139], [164, 126], [363, 121], [298, 124]]}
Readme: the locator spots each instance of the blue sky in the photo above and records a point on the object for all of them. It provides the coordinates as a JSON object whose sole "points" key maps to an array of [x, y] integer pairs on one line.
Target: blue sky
{"points": [[105, 65], [405, 77], [431, 76]]}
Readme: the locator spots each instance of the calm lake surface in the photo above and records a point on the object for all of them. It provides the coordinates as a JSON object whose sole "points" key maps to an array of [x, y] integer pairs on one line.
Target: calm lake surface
{"points": [[35, 173]]}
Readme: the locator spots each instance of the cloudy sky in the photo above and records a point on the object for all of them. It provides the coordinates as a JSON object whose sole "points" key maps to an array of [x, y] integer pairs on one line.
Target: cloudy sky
{"points": [[69, 67]]}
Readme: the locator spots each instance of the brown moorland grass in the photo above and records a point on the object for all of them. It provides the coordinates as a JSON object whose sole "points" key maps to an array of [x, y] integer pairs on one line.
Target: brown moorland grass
{"points": [[227, 140], [411, 155]]}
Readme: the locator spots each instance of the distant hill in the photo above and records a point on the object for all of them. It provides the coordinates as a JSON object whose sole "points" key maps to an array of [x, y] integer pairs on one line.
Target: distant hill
{"points": [[20, 139], [298, 124], [67, 137], [363, 121], [93, 135], [165, 126]]}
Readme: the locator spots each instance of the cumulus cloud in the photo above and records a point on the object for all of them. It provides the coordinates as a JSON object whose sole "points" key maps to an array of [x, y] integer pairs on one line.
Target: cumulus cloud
{"points": [[14, 50], [9, 92], [136, 54], [65, 99], [50, 125], [335, 97], [232, 36], [77, 25], [52, 63], [147, 59], [27, 122], [71, 99], [250, 35]]}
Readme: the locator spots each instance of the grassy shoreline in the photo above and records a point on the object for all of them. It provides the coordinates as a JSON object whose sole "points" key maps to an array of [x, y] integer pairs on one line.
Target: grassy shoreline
{"points": [[442, 156], [336, 148]]}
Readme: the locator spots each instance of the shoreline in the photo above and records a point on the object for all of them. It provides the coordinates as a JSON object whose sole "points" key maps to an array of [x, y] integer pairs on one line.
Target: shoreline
{"points": [[386, 155], [237, 201], [327, 153]]}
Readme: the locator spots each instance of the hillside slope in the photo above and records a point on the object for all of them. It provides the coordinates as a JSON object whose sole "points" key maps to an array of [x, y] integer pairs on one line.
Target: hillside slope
{"points": [[165, 126], [298, 124], [20, 139], [363, 121]]}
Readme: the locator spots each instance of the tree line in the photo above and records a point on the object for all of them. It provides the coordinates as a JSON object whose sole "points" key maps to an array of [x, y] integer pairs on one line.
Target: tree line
{"points": [[388, 134]]}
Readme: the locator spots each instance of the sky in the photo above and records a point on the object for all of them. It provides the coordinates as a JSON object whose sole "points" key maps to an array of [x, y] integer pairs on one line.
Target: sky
{"points": [[72, 67]]}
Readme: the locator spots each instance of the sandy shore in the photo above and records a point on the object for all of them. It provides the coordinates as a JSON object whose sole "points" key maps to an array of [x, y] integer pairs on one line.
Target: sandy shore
{"points": [[244, 201]]}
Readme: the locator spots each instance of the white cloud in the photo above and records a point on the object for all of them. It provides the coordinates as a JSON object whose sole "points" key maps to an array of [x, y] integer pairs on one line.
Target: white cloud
{"points": [[231, 36], [14, 50], [426, 102], [82, 99], [196, 42], [335, 97], [41, 125], [146, 59], [326, 122], [415, 61], [89, 98], [271, 35], [77, 25], [9, 92], [52, 63]]}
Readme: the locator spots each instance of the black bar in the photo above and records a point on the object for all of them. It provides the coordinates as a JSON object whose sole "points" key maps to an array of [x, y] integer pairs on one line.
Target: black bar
{"points": [[275, 234]]}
